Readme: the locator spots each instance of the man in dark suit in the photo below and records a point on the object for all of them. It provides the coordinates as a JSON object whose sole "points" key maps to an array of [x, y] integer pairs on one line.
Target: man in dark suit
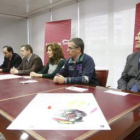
{"points": [[130, 78], [31, 62], [11, 59]]}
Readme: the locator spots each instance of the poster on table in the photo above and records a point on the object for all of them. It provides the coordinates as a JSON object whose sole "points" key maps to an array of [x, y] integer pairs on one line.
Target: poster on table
{"points": [[61, 111]]}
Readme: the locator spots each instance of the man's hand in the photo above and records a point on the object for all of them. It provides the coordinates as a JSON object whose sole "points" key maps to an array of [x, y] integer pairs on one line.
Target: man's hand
{"points": [[14, 71], [0, 70], [59, 79]]}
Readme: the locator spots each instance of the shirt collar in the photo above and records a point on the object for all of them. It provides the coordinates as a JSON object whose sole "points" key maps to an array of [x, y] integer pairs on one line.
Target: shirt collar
{"points": [[29, 57], [79, 59]]}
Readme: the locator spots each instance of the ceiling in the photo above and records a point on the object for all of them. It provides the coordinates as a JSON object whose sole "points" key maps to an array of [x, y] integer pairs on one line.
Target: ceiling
{"points": [[28, 8]]}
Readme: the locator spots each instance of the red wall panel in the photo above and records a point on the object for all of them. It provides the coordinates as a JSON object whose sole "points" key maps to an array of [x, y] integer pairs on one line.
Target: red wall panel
{"points": [[137, 24], [58, 32]]}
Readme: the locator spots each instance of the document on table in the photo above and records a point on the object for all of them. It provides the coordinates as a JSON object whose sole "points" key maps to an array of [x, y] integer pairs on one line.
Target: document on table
{"points": [[27, 77], [61, 112], [77, 89], [9, 76], [28, 81], [116, 92]]}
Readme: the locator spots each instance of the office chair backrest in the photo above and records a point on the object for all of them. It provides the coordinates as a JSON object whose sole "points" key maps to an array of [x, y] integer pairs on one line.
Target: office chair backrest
{"points": [[102, 76]]}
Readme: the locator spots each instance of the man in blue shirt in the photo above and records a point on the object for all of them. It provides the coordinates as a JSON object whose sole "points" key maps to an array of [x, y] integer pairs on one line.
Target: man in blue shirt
{"points": [[79, 68]]}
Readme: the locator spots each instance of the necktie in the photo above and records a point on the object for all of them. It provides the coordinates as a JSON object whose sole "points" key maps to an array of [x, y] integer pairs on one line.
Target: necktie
{"points": [[139, 64], [26, 64], [8, 64]]}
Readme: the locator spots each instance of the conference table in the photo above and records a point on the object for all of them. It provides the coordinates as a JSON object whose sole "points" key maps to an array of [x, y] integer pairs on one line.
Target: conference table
{"points": [[121, 112]]}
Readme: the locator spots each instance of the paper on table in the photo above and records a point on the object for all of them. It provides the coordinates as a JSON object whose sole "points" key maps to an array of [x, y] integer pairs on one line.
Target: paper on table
{"points": [[77, 89], [27, 77], [61, 112], [9, 76], [116, 92], [27, 81]]}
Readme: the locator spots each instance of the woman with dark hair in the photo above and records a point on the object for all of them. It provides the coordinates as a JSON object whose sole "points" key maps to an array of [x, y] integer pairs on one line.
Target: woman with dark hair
{"points": [[55, 62]]}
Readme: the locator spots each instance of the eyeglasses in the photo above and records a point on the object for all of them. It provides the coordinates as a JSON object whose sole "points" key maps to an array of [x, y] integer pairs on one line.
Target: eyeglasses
{"points": [[71, 48]]}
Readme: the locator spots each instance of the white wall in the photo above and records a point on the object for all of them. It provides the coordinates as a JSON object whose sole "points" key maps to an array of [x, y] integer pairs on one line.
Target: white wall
{"points": [[13, 32], [37, 33], [37, 26], [68, 12], [106, 26]]}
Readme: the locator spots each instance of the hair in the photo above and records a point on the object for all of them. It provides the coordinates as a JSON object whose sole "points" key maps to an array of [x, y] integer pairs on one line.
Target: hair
{"points": [[57, 52], [9, 48], [27, 47], [78, 43]]}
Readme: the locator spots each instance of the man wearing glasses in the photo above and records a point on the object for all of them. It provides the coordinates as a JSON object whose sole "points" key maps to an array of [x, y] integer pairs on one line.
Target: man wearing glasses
{"points": [[130, 78], [79, 68]]}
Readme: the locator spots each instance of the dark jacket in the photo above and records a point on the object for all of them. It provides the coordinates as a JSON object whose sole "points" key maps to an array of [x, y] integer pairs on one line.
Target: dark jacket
{"points": [[81, 72], [131, 73], [15, 62]]}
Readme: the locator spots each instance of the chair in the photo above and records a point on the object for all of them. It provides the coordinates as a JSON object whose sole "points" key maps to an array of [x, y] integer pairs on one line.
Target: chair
{"points": [[102, 76]]}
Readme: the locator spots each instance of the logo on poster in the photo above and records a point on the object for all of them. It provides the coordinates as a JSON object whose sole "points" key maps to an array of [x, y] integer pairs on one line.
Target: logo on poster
{"points": [[63, 42]]}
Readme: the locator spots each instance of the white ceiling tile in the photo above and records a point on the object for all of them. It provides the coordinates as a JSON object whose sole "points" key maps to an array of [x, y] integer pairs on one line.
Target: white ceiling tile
{"points": [[27, 8]]}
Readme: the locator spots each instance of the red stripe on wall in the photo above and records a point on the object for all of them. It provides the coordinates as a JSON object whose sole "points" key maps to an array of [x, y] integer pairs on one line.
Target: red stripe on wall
{"points": [[137, 24]]}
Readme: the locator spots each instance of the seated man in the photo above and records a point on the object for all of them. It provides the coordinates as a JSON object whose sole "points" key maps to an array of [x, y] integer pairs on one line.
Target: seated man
{"points": [[79, 68], [11, 59], [30, 62], [130, 78]]}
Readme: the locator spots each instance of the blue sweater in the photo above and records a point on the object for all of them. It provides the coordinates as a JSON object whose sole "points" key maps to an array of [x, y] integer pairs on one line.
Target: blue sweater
{"points": [[81, 72]]}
